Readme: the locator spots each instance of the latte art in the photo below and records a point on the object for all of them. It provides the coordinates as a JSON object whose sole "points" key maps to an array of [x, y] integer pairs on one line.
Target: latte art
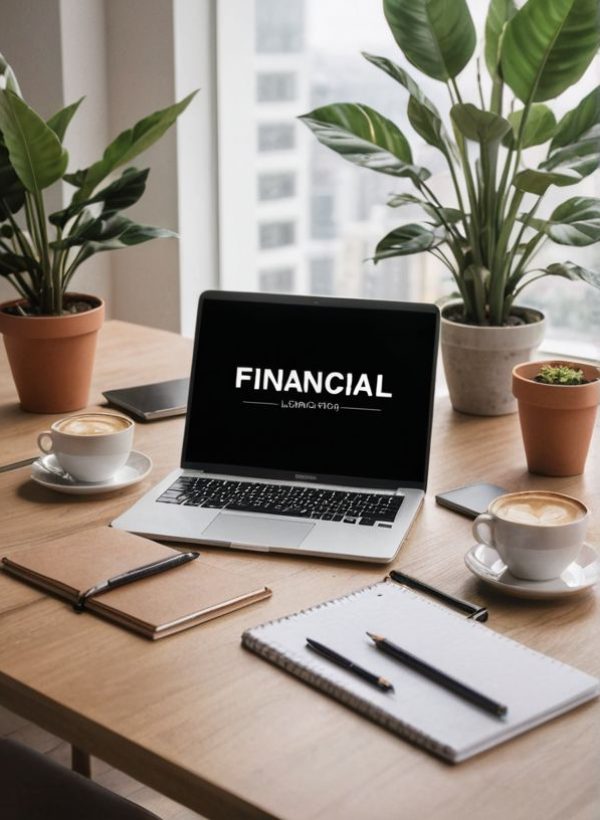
{"points": [[538, 509], [93, 425]]}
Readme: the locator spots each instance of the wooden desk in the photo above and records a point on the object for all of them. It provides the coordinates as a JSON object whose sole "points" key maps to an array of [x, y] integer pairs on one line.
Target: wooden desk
{"points": [[218, 729]]}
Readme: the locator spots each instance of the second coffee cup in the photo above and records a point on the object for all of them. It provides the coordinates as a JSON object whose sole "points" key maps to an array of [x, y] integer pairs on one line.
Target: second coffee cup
{"points": [[537, 534], [90, 447]]}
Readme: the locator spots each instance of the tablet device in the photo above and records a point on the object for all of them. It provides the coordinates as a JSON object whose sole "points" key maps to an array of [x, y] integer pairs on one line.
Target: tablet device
{"points": [[152, 401]]}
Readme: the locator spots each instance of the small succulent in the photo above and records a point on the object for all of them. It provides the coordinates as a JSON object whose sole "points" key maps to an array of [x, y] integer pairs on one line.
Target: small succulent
{"points": [[559, 374]]}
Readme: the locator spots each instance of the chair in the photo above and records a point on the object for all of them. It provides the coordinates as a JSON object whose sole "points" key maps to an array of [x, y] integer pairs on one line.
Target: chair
{"points": [[33, 787]]}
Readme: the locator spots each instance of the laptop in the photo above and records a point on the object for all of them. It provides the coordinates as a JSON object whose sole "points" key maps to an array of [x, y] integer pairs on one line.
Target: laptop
{"points": [[307, 430]]}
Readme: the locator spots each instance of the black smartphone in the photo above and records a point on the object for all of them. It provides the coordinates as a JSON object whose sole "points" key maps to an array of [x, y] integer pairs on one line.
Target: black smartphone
{"points": [[470, 500]]}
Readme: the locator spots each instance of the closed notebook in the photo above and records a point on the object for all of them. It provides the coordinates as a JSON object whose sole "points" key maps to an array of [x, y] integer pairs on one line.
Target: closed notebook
{"points": [[533, 686], [154, 607]]}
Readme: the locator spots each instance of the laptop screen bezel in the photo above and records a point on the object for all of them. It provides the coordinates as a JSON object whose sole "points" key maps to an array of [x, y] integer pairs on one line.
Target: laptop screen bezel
{"points": [[289, 475]]}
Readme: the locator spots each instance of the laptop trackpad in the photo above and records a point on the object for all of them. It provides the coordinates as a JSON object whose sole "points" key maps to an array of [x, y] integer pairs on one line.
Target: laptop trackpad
{"points": [[252, 529]]}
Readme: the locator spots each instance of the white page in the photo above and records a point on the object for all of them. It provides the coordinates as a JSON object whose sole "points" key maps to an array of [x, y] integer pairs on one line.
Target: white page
{"points": [[533, 686]]}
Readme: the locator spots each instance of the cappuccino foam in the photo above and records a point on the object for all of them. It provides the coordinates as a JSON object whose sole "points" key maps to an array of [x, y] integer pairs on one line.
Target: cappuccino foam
{"points": [[93, 425], [538, 509]]}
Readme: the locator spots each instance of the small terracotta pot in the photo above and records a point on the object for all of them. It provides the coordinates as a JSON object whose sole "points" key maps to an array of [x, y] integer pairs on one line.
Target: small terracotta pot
{"points": [[557, 421], [52, 357]]}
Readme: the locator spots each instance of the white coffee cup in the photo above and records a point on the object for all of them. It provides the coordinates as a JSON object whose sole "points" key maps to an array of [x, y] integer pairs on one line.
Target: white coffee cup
{"points": [[536, 533], [91, 446]]}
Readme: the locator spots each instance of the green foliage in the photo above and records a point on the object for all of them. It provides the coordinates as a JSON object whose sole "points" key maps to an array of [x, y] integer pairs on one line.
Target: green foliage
{"points": [[559, 374], [32, 158], [485, 238]]}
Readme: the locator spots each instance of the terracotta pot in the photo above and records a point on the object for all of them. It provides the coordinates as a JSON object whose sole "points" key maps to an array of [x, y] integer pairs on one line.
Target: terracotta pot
{"points": [[478, 360], [557, 421], [52, 357]]}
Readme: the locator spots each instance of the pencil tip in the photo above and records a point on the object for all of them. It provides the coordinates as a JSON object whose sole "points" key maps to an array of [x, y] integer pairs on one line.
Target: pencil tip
{"points": [[373, 636]]}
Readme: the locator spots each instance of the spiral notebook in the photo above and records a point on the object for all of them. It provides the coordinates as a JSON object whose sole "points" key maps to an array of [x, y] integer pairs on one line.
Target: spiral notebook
{"points": [[535, 687]]}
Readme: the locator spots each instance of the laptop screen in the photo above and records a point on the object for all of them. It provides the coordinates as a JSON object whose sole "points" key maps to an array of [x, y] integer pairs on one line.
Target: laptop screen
{"points": [[312, 389]]}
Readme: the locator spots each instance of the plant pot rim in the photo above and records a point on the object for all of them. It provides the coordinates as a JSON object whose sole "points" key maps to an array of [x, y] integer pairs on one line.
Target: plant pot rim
{"points": [[556, 396], [96, 302], [48, 327], [517, 309]]}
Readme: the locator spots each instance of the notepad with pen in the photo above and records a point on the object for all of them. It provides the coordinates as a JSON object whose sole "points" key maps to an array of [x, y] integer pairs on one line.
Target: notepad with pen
{"points": [[154, 606], [533, 686]]}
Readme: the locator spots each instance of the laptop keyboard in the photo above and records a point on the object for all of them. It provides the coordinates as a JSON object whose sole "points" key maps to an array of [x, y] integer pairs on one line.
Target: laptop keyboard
{"points": [[366, 509]]}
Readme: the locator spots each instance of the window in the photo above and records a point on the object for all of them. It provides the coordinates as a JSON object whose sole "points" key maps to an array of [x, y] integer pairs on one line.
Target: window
{"points": [[276, 279], [276, 234], [279, 136], [276, 87], [321, 276], [279, 26], [302, 54], [322, 222], [276, 186]]}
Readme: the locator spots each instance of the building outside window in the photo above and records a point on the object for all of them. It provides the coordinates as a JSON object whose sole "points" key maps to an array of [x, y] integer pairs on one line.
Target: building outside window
{"points": [[275, 280], [321, 276], [276, 87], [276, 234], [276, 185], [277, 136]]}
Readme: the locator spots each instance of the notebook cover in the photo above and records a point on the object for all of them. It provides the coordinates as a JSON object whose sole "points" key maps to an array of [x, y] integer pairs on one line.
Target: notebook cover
{"points": [[534, 687], [154, 607]]}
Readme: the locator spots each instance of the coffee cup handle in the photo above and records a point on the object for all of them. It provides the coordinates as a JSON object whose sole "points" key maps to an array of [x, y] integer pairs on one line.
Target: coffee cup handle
{"points": [[483, 529], [40, 441]]}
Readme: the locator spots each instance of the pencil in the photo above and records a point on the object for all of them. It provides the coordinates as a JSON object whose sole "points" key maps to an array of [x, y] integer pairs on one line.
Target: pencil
{"points": [[437, 676], [345, 663]]}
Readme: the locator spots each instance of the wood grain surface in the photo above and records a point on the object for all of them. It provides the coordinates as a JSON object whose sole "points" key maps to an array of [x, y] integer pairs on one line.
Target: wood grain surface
{"points": [[214, 727]]}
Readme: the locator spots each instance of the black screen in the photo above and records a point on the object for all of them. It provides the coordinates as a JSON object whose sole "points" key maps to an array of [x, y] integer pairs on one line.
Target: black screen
{"points": [[315, 387]]}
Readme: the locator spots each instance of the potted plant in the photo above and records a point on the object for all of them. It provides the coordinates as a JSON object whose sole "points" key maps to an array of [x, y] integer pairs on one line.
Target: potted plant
{"points": [[557, 410], [488, 236], [49, 331]]}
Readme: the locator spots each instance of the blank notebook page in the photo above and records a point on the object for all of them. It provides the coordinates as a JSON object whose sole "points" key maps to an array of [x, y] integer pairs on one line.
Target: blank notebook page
{"points": [[533, 686]]}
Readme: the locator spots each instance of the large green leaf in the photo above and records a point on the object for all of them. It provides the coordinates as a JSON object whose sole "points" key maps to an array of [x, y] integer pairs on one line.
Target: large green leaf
{"points": [[581, 158], [12, 192], [499, 13], [119, 232], [478, 125], [364, 137], [569, 270], [422, 113], [577, 122], [537, 182], [122, 193], [539, 126], [439, 215], [35, 151], [574, 222], [14, 263], [436, 36], [408, 239], [59, 122], [126, 146], [548, 45]]}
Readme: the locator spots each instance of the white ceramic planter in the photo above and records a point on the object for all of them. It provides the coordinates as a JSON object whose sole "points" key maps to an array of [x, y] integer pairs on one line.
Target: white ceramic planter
{"points": [[478, 361]]}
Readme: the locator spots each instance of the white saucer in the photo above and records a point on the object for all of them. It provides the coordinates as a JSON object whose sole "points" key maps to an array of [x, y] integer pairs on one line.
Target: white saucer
{"points": [[584, 572], [46, 471]]}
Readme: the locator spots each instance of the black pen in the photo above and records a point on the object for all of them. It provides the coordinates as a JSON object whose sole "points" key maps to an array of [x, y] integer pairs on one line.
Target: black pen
{"points": [[437, 676], [136, 574], [477, 613], [335, 657]]}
